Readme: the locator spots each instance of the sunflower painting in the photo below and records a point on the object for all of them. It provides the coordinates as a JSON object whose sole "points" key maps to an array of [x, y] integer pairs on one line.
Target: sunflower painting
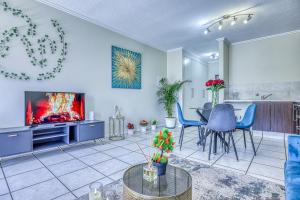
{"points": [[126, 68]]}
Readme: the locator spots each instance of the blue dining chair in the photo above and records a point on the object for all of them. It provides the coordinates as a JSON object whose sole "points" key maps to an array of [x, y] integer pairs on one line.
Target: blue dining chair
{"points": [[246, 123], [221, 122], [187, 123]]}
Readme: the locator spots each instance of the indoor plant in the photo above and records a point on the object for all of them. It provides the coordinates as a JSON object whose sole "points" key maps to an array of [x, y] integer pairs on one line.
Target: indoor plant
{"points": [[143, 125], [130, 128], [153, 124], [214, 86], [167, 95], [163, 140]]}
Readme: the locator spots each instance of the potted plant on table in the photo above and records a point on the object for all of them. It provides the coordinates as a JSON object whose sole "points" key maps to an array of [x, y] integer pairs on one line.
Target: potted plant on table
{"points": [[153, 124], [167, 95], [215, 86], [143, 125], [130, 128], [164, 142]]}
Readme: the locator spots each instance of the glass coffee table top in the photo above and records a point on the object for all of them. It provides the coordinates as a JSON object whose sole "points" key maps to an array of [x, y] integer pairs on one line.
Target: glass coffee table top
{"points": [[175, 182]]}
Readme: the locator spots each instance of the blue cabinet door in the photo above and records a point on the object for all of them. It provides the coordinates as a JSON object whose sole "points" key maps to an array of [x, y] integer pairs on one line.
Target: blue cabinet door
{"points": [[91, 131], [15, 142]]}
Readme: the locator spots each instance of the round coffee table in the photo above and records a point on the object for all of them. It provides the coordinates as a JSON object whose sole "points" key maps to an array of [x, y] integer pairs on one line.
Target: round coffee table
{"points": [[176, 184]]}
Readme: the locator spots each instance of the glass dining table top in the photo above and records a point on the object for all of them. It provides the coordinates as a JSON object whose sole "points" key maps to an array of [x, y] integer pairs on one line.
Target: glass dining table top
{"points": [[175, 182]]}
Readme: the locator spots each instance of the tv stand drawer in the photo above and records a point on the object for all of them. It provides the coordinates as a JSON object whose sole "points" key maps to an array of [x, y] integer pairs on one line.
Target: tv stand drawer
{"points": [[91, 131], [15, 142]]}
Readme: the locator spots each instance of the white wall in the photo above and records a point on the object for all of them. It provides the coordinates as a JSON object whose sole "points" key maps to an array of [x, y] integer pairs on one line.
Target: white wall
{"points": [[213, 69], [271, 59], [87, 69], [194, 93]]}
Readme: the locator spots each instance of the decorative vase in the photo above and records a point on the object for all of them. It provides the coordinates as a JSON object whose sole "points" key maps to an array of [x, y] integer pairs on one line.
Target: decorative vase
{"points": [[143, 129], [153, 127], [161, 168], [150, 173], [214, 98], [130, 131], [170, 122]]}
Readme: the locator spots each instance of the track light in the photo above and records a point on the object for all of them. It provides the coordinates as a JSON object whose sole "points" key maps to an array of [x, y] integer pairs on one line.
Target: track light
{"points": [[233, 22], [220, 25], [206, 31], [248, 19]]}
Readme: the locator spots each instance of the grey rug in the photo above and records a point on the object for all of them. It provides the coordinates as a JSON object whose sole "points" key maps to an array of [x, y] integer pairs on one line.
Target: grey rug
{"points": [[219, 184]]}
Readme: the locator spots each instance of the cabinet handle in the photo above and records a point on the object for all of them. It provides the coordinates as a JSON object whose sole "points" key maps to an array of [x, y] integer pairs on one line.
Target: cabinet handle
{"points": [[92, 125], [12, 135]]}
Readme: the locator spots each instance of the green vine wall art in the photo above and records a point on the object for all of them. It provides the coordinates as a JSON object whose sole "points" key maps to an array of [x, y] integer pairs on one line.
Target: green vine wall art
{"points": [[38, 47]]}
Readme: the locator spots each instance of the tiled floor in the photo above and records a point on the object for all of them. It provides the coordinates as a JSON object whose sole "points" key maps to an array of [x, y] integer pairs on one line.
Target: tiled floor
{"points": [[65, 173]]}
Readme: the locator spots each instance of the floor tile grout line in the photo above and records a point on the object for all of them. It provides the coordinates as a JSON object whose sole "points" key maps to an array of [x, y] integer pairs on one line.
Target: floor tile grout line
{"points": [[254, 155], [4, 176], [53, 174]]}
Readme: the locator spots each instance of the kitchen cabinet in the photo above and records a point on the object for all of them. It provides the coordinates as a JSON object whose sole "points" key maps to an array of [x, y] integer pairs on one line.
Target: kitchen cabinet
{"points": [[274, 116]]}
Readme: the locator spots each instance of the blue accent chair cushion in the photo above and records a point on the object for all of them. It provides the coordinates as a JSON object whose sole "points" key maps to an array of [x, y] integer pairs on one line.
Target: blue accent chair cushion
{"points": [[292, 169]]}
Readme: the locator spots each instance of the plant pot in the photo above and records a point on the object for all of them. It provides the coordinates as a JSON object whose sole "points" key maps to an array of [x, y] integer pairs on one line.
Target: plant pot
{"points": [[143, 129], [130, 131], [153, 127], [161, 168], [170, 122]]}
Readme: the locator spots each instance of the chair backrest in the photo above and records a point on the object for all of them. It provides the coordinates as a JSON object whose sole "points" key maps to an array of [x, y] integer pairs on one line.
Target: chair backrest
{"points": [[222, 118], [207, 110], [179, 112], [249, 116]]}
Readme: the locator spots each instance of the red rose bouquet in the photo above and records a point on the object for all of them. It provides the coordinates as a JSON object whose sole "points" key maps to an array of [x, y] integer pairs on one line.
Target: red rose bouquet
{"points": [[214, 86]]}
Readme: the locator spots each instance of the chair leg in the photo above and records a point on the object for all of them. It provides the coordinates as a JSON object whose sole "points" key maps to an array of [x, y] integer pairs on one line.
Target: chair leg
{"points": [[206, 133], [234, 146], [210, 144], [181, 136], [251, 138], [244, 139], [200, 135]]}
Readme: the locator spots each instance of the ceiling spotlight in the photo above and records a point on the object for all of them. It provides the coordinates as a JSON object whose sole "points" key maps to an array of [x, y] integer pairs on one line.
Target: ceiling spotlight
{"points": [[214, 56], [248, 19], [206, 31], [233, 22], [220, 25]]}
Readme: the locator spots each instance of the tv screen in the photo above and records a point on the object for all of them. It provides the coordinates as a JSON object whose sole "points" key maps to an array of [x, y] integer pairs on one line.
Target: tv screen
{"points": [[53, 107]]}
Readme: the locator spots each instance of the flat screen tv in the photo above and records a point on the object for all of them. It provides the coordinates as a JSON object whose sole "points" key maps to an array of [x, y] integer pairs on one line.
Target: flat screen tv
{"points": [[53, 107]]}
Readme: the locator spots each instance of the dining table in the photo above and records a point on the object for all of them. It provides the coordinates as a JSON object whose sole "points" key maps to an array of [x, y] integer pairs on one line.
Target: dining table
{"points": [[199, 111]]}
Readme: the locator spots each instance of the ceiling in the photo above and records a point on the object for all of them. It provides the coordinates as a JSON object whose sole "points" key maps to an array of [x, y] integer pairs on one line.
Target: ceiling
{"points": [[169, 24]]}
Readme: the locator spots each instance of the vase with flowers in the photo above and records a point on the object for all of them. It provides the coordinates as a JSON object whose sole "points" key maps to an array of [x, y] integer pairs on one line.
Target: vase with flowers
{"points": [[164, 142], [130, 128], [143, 126], [215, 86]]}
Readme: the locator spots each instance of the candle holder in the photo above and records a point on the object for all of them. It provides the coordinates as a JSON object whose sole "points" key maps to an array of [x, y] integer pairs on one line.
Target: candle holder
{"points": [[150, 173], [96, 191]]}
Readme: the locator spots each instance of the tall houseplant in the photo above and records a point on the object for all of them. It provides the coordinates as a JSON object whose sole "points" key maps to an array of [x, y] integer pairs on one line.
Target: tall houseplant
{"points": [[167, 95]]}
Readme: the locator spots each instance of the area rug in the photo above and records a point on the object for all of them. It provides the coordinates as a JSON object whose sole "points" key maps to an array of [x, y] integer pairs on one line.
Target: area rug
{"points": [[218, 184]]}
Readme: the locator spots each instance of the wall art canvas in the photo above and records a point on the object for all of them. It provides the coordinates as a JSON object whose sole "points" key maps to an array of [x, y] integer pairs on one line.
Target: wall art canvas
{"points": [[126, 68]]}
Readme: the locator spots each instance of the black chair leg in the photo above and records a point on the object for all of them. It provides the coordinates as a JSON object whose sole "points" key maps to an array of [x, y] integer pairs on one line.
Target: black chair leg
{"points": [[251, 138], [210, 144], [206, 133], [234, 146], [200, 135], [244, 139], [181, 136]]}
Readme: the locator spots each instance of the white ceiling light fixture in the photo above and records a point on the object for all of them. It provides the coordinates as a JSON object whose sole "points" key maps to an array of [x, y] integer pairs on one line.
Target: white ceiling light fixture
{"points": [[233, 22], [220, 25], [247, 19], [219, 22], [186, 61], [214, 56]]}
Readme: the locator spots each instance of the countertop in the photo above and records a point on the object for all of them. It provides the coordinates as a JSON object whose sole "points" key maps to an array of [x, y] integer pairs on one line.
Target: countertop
{"points": [[266, 100]]}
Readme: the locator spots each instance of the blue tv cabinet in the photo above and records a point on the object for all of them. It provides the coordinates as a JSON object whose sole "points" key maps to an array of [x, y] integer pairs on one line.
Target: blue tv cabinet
{"points": [[27, 139]]}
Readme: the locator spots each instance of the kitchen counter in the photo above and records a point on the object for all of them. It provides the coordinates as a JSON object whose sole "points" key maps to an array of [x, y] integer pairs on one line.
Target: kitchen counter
{"points": [[258, 100]]}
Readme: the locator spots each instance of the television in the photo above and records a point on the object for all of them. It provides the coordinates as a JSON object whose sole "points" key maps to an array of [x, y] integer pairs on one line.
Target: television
{"points": [[53, 107]]}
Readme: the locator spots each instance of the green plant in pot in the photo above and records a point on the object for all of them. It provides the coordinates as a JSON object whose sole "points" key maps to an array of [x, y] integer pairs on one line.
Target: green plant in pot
{"points": [[168, 95], [153, 124], [164, 142]]}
